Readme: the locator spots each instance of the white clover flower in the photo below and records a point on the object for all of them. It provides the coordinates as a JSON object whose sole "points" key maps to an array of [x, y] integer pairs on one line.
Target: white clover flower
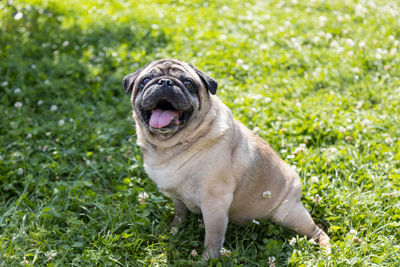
{"points": [[18, 104], [50, 255], [39, 103], [61, 123], [314, 179], [271, 261], [389, 141], [267, 99], [365, 122], [17, 90], [4, 84], [20, 171], [225, 252], [333, 150], [29, 136], [65, 43], [174, 230], [48, 134], [33, 66], [293, 241], [25, 261], [255, 221], [266, 194], [53, 108], [349, 42], [353, 232], [328, 36], [256, 130], [317, 199], [348, 138], [18, 16], [142, 197], [312, 241], [194, 253], [342, 129]]}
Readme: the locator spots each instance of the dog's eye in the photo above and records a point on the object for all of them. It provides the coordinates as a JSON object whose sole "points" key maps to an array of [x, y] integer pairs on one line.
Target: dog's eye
{"points": [[145, 81], [188, 84]]}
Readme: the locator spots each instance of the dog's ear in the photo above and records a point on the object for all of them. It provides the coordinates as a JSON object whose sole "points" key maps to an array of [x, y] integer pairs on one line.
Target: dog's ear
{"points": [[209, 82], [129, 80]]}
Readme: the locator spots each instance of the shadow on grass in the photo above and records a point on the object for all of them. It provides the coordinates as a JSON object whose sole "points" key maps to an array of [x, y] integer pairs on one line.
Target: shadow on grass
{"points": [[49, 63]]}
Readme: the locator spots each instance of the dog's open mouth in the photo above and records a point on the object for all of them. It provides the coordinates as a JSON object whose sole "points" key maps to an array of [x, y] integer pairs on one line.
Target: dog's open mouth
{"points": [[165, 116]]}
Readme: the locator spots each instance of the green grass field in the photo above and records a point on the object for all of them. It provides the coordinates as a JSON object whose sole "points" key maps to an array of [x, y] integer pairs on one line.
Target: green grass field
{"points": [[319, 80]]}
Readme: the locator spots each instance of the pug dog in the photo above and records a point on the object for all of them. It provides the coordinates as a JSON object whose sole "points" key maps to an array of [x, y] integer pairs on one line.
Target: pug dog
{"points": [[206, 161]]}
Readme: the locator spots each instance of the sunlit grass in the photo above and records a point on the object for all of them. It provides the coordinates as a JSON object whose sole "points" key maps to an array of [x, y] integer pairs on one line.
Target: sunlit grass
{"points": [[317, 79]]}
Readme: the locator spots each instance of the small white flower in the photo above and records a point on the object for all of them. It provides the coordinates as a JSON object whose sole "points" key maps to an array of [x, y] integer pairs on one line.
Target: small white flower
{"points": [[18, 16], [47, 82], [317, 198], [53, 108], [333, 150], [314, 179], [71, 120], [389, 141], [33, 66], [293, 241], [39, 103], [25, 261], [365, 122], [266, 194], [48, 134], [342, 129], [17, 90], [194, 253], [50, 255], [29, 136], [18, 104], [20, 171], [65, 43], [353, 232], [225, 252], [174, 230], [61, 123], [1, 158], [142, 197], [312, 241], [88, 162], [255, 221], [271, 261], [256, 130], [4, 84]]}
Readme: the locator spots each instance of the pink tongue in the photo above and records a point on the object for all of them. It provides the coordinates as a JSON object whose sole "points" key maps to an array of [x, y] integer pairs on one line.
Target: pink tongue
{"points": [[161, 118]]}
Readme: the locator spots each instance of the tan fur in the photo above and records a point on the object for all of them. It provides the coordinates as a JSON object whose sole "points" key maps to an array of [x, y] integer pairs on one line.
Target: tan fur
{"points": [[217, 167]]}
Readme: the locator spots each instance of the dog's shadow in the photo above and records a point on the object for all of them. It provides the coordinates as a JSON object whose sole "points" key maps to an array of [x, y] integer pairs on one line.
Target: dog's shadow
{"points": [[246, 245]]}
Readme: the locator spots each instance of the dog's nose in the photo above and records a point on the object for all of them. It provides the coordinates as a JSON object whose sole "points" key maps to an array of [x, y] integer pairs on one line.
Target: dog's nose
{"points": [[166, 82]]}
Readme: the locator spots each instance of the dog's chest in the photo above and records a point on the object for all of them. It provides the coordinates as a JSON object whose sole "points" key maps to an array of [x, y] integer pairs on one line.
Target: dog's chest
{"points": [[177, 183]]}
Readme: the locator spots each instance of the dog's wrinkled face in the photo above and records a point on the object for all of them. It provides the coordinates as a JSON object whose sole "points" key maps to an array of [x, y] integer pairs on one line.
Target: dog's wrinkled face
{"points": [[166, 94]]}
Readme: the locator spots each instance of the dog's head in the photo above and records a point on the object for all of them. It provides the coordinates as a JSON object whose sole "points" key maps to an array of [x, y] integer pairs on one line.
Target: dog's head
{"points": [[167, 95]]}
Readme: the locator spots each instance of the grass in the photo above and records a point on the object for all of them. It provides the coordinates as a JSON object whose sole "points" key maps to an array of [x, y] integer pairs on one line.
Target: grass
{"points": [[319, 73]]}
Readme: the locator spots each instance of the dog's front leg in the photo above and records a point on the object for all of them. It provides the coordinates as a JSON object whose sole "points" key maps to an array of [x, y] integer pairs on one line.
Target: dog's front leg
{"points": [[180, 212], [215, 217]]}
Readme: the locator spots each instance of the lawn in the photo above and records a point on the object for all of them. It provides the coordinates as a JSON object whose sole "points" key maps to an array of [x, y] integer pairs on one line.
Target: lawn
{"points": [[319, 80]]}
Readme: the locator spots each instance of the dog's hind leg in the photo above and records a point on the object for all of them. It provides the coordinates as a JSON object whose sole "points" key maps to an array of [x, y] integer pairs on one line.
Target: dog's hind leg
{"points": [[294, 215]]}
